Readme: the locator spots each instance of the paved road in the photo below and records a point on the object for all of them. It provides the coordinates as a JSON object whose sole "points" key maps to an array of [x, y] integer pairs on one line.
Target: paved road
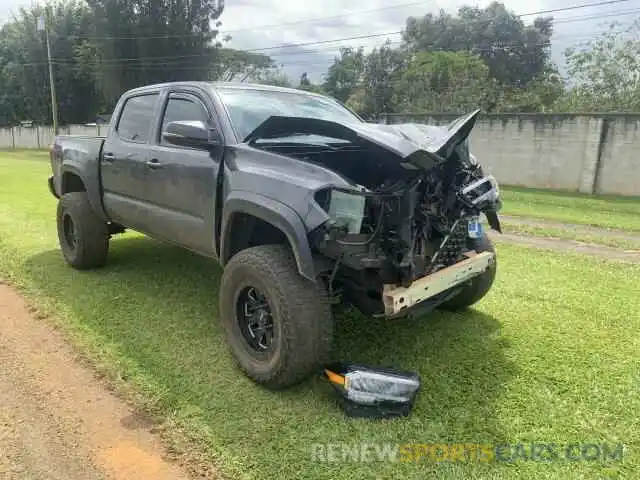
{"points": [[57, 421]]}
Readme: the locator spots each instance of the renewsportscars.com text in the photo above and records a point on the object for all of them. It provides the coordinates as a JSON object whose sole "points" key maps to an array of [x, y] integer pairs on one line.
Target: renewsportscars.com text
{"points": [[467, 452]]}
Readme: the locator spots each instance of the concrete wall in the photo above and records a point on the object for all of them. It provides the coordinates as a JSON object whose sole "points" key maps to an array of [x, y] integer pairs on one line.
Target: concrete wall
{"points": [[41, 136], [585, 153], [619, 167]]}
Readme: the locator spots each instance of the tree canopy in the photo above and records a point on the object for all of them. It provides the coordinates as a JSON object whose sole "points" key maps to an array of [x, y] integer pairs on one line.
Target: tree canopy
{"points": [[605, 72], [515, 53], [486, 58]]}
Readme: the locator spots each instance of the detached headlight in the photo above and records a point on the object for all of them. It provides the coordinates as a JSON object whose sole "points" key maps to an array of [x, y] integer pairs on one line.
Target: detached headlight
{"points": [[373, 392]]}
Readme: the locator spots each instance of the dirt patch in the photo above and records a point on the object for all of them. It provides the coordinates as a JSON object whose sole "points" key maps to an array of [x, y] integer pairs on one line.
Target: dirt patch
{"points": [[568, 245], [57, 421]]}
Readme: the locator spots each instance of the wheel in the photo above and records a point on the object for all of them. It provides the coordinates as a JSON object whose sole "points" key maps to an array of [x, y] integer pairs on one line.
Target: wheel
{"points": [[278, 324], [83, 236], [480, 285]]}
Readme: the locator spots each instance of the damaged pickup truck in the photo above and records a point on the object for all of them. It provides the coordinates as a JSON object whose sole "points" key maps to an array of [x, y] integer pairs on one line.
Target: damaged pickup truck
{"points": [[303, 203]]}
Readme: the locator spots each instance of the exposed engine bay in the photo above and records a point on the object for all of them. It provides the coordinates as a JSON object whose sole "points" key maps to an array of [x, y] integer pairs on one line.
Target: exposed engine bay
{"points": [[400, 221], [409, 227]]}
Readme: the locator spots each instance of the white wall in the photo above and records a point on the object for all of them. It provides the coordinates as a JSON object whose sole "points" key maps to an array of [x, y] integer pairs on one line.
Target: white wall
{"points": [[42, 136], [585, 153]]}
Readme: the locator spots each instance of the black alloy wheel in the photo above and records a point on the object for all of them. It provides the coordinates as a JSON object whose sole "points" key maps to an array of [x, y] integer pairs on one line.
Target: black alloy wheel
{"points": [[255, 319], [69, 232]]}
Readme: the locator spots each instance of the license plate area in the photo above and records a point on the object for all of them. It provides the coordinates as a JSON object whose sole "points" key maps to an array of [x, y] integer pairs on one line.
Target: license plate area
{"points": [[474, 228]]}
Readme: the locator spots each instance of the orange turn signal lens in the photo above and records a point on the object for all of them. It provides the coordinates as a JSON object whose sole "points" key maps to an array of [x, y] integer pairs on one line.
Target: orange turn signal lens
{"points": [[334, 377]]}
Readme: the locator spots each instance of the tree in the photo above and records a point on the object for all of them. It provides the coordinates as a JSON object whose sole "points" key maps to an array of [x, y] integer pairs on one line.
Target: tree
{"points": [[143, 42], [307, 85], [24, 77], [443, 82], [383, 68], [275, 77], [514, 52], [605, 73], [357, 102], [345, 74], [540, 95], [238, 65]]}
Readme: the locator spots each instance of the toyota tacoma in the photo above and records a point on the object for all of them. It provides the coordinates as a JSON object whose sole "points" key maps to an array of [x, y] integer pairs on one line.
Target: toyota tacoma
{"points": [[303, 203]]}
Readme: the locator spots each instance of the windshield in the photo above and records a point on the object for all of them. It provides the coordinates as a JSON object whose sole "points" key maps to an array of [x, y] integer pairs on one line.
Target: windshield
{"points": [[249, 108]]}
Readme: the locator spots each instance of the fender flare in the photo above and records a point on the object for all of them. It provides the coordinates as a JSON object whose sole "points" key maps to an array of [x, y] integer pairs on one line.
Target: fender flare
{"points": [[92, 187], [277, 214]]}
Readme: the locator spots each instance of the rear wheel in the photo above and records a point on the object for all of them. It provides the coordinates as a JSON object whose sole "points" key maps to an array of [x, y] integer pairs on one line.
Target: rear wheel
{"points": [[479, 286], [277, 323], [83, 236]]}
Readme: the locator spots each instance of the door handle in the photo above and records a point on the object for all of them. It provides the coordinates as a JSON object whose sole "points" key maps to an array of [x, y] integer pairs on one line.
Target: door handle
{"points": [[154, 164], [108, 157]]}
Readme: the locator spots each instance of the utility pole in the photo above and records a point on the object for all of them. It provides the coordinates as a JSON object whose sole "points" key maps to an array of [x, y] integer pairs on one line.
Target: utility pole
{"points": [[52, 84]]}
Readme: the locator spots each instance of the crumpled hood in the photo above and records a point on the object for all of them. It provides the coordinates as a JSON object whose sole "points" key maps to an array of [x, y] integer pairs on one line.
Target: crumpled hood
{"points": [[419, 144]]}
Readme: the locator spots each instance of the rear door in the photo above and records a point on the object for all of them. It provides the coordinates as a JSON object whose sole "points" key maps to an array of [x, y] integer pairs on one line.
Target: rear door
{"points": [[181, 182], [123, 163]]}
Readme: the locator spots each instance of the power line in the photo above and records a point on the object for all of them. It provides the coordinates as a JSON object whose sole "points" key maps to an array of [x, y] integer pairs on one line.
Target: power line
{"points": [[360, 37], [574, 7], [177, 60], [274, 25], [318, 19], [595, 17], [165, 59], [333, 17]]}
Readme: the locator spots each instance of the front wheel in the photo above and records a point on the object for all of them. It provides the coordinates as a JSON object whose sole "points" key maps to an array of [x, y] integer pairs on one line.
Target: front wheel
{"points": [[479, 286], [278, 324]]}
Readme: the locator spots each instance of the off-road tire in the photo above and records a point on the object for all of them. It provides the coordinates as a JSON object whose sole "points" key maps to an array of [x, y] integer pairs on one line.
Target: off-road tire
{"points": [[480, 285], [301, 313], [90, 231]]}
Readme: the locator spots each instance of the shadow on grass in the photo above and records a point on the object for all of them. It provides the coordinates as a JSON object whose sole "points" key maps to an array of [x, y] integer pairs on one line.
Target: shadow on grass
{"points": [[156, 304]]}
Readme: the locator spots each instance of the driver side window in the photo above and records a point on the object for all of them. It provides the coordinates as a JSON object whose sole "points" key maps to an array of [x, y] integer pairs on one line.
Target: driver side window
{"points": [[183, 108]]}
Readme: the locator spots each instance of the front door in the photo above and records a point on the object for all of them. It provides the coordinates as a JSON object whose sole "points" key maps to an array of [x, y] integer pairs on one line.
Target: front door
{"points": [[181, 183]]}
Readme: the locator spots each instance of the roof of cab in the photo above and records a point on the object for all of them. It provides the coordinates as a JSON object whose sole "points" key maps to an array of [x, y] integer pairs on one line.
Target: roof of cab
{"points": [[215, 85]]}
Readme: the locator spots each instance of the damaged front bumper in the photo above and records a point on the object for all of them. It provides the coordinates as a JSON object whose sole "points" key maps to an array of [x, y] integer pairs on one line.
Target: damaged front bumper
{"points": [[398, 299]]}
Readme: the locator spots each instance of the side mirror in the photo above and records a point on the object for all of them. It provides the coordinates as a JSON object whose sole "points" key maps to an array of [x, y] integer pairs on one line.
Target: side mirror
{"points": [[191, 134]]}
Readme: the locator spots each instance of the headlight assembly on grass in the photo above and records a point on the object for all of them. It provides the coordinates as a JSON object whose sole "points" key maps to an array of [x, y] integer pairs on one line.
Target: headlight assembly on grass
{"points": [[373, 392]]}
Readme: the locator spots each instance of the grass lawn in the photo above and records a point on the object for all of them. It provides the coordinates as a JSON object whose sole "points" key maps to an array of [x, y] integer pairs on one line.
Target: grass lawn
{"points": [[625, 243], [601, 211], [551, 355]]}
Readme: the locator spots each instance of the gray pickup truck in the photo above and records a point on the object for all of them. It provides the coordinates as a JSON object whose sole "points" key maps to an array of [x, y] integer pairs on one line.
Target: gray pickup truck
{"points": [[303, 203]]}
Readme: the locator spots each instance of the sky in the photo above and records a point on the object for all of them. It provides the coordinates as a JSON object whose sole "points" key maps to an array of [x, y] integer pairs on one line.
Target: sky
{"points": [[254, 24]]}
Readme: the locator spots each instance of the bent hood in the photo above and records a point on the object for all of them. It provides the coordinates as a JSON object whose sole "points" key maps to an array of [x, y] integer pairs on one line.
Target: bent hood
{"points": [[420, 145]]}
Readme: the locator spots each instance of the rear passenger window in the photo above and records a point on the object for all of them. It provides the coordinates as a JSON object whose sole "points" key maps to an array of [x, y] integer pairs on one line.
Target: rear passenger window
{"points": [[137, 118]]}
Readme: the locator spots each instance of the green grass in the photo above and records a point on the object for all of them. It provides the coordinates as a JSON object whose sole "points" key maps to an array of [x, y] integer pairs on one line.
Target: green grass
{"points": [[601, 211], [567, 234], [551, 355]]}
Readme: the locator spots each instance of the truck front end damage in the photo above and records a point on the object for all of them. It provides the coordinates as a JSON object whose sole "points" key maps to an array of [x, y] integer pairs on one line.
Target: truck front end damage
{"points": [[407, 242], [400, 236]]}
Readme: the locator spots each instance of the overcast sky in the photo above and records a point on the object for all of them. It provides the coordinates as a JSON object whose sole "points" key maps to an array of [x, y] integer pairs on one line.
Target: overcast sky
{"points": [[257, 24]]}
